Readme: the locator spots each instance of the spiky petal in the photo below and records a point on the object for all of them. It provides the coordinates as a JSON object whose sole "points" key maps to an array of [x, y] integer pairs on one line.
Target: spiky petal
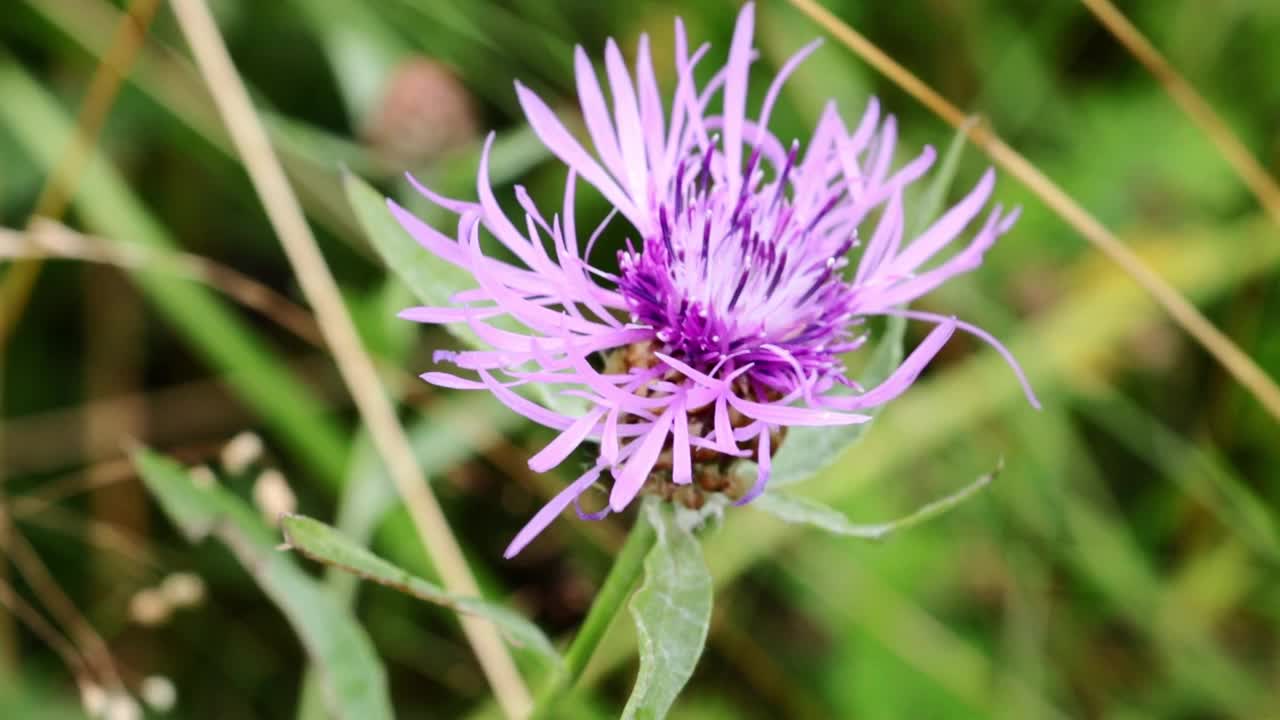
{"points": [[737, 277]]}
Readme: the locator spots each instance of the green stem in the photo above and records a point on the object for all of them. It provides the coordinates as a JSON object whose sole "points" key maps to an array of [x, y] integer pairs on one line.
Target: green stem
{"points": [[622, 579]]}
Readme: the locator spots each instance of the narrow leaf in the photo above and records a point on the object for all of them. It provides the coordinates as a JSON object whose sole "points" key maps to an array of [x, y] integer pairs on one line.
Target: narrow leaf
{"points": [[355, 683], [803, 511], [672, 612], [325, 545]]}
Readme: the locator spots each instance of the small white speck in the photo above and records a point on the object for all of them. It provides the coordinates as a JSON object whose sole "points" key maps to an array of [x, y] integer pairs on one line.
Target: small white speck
{"points": [[202, 477], [183, 589], [93, 699], [159, 693], [241, 452], [122, 707], [149, 608]]}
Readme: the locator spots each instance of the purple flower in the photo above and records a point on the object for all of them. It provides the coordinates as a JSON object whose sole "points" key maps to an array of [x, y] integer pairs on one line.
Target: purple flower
{"points": [[734, 298]]}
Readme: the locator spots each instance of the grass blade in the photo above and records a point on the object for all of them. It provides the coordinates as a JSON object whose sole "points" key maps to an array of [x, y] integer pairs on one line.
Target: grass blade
{"points": [[803, 511]]}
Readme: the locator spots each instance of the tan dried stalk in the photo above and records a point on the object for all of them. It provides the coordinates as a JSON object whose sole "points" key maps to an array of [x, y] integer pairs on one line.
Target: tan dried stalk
{"points": [[91, 645], [48, 239], [18, 608], [1251, 172]]}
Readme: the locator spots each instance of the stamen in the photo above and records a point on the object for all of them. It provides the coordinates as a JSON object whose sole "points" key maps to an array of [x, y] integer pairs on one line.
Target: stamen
{"points": [[666, 230], [680, 186], [823, 278], [742, 282], [706, 243], [704, 177], [826, 208], [780, 186], [777, 274]]}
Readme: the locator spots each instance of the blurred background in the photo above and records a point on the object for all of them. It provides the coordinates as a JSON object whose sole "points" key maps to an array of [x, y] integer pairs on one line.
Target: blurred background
{"points": [[1124, 565]]}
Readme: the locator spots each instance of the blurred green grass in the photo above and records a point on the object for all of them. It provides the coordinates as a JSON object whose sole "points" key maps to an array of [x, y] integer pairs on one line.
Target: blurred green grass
{"points": [[1123, 566]]}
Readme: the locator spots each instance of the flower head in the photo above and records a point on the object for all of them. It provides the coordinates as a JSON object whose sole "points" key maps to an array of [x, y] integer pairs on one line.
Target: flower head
{"points": [[735, 296]]}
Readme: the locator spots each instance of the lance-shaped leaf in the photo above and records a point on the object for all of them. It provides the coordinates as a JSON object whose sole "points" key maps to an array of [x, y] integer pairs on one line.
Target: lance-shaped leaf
{"points": [[672, 612], [323, 544], [353, 677], [802, 511]]}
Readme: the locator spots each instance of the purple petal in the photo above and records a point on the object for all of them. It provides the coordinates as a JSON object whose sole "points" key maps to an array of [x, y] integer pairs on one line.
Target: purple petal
{"points": [[981, 334], [945, 229], [527, 408], [735, 95], [558, 140], [681, 470], [566, 442], [627, 484], [630, 133], [775, 87], [651, 115], [905, 375], [596, 114], [441, 246], [784, 415], [550, 512]]}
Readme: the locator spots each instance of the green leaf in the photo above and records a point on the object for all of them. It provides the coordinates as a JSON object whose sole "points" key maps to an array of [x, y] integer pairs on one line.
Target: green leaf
{"points": [[338, 647], [27, 692], [803, 511], [323, 544], [672, 612]]}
